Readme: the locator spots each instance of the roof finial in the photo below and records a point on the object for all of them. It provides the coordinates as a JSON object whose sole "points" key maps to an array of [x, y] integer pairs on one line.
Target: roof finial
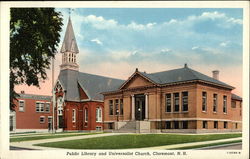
{"points": [[185, 65], [136, 70]]}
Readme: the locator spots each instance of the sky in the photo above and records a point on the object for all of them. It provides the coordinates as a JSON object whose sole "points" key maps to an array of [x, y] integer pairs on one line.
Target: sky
{"points": [[114, 42]]}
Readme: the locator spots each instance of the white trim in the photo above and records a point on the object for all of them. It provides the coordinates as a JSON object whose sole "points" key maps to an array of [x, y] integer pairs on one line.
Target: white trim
{"points": [[59, 83], [43, 119], [22, 107], [73, 115]]}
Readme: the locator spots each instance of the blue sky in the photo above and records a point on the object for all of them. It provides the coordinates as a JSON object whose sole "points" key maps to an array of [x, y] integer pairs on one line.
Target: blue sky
{"points": [[115, 41]]}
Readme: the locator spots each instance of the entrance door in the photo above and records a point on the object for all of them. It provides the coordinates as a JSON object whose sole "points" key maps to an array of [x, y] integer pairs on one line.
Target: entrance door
{"points": [[139, 107], [60, 118]]}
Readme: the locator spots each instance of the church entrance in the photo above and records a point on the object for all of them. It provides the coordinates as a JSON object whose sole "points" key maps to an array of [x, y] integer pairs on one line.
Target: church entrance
{"points": [[140, 107]]}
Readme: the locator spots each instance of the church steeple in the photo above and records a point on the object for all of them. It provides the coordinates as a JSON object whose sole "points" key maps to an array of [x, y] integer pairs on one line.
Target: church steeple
{"points": [[69, 49]]}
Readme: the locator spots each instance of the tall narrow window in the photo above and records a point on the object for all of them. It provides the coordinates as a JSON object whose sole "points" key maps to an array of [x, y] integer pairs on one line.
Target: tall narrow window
{"points": [[47, 107], [204, 101], [98, 114], [185, 124], [168, 102], [225, 124], [111, 109], [86, 115], [204, 124], [216, 124], [21, 105], [184, 101], [73, 115], [41, 107], [224, 104], [176, 124], [116, 107], [37, 106], [215, 101], [176, 102], [168, 124], [121, 106]]}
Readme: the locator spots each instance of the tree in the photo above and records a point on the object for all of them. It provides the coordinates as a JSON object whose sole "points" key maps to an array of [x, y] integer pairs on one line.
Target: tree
{"points": [[34, 37]]}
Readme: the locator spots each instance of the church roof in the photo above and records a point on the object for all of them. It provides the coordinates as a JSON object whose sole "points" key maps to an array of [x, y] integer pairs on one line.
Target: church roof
{"points": [[93, 85], [181, 75], [69, 42]]}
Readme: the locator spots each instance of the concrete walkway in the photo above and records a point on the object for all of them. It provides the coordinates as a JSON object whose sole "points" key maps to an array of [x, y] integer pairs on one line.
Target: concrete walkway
{"points": [[30, 144], [189, 144]]}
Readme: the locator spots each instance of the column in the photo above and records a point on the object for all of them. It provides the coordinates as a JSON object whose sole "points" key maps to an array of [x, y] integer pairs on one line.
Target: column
{"points": [[133, 107], [146, 106]]}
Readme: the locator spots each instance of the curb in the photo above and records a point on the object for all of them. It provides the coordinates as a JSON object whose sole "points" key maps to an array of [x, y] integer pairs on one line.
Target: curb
{"points": [[217, 146]]}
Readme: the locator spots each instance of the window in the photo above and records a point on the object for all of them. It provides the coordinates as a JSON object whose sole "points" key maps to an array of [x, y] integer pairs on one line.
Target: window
{"points": [[116, 107], [111, 109], [98, 114], [204, 124], [168, 124], [73, 115], [233, 104], [60, 105], [168, 102], [121, 106], [40, 107], [236, 125], [216, 124], [185, 124], [21, 105], [42, 119], [215, 103], [47, 107], [204, 101], [184, 101], [98, 128], [224, 104], [225, 124], [176, 102], [86, 115], [176, 124], [110, 125]]}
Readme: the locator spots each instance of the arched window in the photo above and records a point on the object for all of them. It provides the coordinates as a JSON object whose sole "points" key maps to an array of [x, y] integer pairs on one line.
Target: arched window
{"points": [[86, 115], [98, 114], [59, 105]]}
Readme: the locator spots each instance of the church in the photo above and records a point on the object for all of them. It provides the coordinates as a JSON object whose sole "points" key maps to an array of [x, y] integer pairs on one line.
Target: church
{"points": [[179, 100], [79, 104]]}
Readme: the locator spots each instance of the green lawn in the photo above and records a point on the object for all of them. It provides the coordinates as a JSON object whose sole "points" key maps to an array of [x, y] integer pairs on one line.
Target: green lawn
{"points": [[47, 136], [135, 141], [207, 145]]}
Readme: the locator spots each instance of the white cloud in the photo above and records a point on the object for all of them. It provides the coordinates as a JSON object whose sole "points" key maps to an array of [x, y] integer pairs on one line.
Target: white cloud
{"points": [[195, 47], [166, 50], [224, 44], [97, 41], [212, 15]]}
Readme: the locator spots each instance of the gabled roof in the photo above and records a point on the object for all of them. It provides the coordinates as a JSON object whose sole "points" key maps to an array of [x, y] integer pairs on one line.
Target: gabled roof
{"points": [[69, 42], [93, 85], [234, 96], [182, 75]]}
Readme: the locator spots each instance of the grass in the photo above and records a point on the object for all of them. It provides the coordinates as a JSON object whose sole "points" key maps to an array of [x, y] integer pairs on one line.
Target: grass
{"points": [[207, 145], [47, 136], [135, 141]]}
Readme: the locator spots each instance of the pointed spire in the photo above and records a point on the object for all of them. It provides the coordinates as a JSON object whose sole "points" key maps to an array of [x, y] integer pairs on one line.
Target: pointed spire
{"points": [[69, 42]]}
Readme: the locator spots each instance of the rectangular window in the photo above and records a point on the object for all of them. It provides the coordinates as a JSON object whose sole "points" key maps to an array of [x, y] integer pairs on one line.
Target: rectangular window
{"points": [[204, 101], [41, 107], [185, 124], [42, 119], [116, 107], [204, 124], [86, 115], [236, 125], [176, 102], [216, 124], [110, 125], [111, 109], [47, 107], [121, 106], [215, 101], [168, 124], [98, 128], [233, 104], [73, 115], [184, 101], [37, 106], [224, 104], [176, 124], [21, 105], [98, 114], [168, 102], [225, 124]]}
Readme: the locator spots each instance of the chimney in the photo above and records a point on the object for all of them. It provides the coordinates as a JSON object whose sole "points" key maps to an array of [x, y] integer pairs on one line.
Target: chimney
{"points": [[185, 65], [22, 92], [216, 74]]}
